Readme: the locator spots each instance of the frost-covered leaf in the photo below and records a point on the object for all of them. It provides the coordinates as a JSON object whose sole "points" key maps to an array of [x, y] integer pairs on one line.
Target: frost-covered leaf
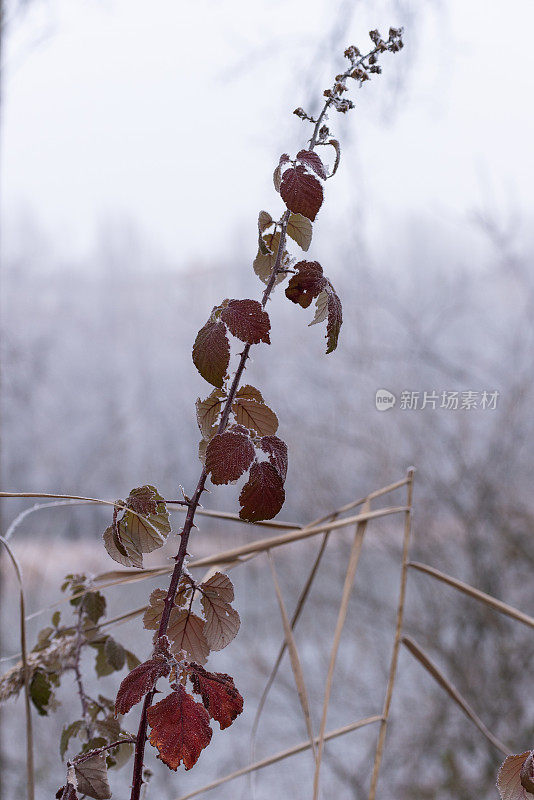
{"points": [[300, 229], [249, 392], [311, 160], [321, 308], [264, 221], [219, 695], [263, 495], [143, 527], [67, 792], [180, 729], [208, 412], [222, 621], [301, 192], [255, 416], [276, 449], [92, 776], [228, 456], [219, 585], [307, 284], [186, 632], [211, 352], [247, 320], [335, 320], [139, 682], [115, 548], [264, 262], [510, 776], [154, 611]]}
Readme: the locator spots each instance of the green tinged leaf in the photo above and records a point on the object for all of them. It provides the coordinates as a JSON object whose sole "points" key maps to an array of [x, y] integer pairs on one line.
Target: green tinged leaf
{"points": [[94, 605], [300, 229], [69, 731], [115, 653], [56, 616], [102, 665], [41, 692], [131, 660], [93, 778]]}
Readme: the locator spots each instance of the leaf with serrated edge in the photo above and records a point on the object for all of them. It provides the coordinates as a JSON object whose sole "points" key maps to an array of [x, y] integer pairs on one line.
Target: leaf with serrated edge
{"points": [[264, 263], [144, 532], [300, 229], [211, 352], [186, 632], [247, 320], [219, 695], [255, 416], [139, 682], [276, 449], [222, 621], [133, 557], [219, 585], [250, 393], [313, 162], [264, 221], [306, 284], [321, 308], [228, 456], [208, 411], [92, 776], [152, 615], [301, 192], [335, 320], [509, 778], [180, 729], [263, 495]]}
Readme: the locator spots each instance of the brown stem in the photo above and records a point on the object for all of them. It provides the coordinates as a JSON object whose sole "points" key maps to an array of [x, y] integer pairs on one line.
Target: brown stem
{"points": [[137, 779], [78, 672]]}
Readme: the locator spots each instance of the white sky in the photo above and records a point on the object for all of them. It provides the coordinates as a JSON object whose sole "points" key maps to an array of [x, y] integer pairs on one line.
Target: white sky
{"points": [[172, 114]]}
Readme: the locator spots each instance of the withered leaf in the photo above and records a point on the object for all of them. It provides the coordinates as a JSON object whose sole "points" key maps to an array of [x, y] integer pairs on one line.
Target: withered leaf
{"points": [[186, 632], [300, 229], [180, 729], [68, 732], [321, 308], [208, 411], [92, 776], [211, 352], [307, 284], [127, 557], [219, 585], [67, 792], [335, 320], [219, 695], [228, 456], [509, 778], [264, 262], [139, 682], [152, 615], [250, 393], [301, 192], [276, 449], [255, 416], [222, 621], [263, 495], [312, 160], [247, 320], [264, 221], [143, 527]]}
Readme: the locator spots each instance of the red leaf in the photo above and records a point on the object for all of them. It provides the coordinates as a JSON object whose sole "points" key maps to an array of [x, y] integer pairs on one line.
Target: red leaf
{"points": [[301, 192], [509, 779], [263, 494], [219, 695], [247, 320], [306, 284], [313, 162], [180, 729], [335, 319], [211, 352], [139, 682], [276, 449], [228, 456]]}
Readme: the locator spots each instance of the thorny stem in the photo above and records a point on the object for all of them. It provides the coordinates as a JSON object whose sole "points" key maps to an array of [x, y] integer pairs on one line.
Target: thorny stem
{"points": [[98, 750], [78, 673], [137, 779]]}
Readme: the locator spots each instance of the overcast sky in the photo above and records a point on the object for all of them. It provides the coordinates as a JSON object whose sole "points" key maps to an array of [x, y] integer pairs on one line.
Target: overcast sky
{"points": [[171, 116]]}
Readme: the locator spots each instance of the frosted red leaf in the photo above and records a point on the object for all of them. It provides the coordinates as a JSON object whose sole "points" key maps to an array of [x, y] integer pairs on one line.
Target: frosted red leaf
{"points": [[211, 352], [335, 320], [219, 695], [139, 682], [263, 495], [180, 729], [228, 456], [313, 162], [307, 284], [276, 449], [301, 192], [511, 773], [247, 320]]}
